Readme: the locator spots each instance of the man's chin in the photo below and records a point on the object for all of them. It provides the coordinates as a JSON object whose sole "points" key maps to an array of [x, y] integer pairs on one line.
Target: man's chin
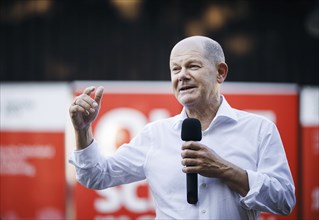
{"points": [[186, 101]]}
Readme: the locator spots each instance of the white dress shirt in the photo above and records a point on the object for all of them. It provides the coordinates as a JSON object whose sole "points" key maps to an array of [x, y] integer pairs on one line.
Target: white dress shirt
{"points": [[249, 141]]}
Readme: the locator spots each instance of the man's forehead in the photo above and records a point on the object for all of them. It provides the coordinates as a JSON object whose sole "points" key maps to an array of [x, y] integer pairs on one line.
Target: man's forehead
{"points": [[187, 53], [190, 55]]}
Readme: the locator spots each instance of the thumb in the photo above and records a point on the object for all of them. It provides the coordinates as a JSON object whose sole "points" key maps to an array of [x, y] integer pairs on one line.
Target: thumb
{"points": [[99, 94]]}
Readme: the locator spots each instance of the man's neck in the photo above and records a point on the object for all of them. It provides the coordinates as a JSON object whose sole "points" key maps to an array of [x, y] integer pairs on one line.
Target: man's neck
{"points": [[205, 113]]}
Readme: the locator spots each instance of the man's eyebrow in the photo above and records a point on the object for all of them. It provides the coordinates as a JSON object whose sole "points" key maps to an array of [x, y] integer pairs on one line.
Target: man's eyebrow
{"points": [[193, 61], [174, 64], [187, 62]]}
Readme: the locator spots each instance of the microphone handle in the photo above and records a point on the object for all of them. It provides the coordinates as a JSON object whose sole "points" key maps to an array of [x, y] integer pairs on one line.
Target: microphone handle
{"points": [[192, 188]]}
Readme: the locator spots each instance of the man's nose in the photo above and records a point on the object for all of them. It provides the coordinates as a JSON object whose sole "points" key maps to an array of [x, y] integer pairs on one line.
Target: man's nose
{"points": [[183, 74]]}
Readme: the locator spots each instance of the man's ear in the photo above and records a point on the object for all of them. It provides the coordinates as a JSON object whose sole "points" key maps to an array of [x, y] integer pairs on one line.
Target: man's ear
{"points": [[222, 72]]}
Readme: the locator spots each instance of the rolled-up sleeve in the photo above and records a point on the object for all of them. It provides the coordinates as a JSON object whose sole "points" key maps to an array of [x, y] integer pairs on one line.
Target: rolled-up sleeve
{"points": [[126, 165], [85, 158], [271, 185], [88, 165]]}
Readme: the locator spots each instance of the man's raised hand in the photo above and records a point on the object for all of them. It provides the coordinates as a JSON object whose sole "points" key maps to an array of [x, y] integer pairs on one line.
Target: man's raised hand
{"points": [[84, 108]]}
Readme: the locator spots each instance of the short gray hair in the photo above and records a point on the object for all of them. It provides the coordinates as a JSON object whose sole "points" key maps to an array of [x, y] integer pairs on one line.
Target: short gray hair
{"points": [[214, 51]]}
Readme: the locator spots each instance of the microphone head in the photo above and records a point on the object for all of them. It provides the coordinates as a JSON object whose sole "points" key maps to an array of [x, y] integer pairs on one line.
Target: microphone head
{"points": [[191, 130]]}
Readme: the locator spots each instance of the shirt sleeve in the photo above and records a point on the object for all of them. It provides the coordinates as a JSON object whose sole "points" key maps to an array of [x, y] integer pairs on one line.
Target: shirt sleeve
{"points": [[271, 185], [126, 165]]}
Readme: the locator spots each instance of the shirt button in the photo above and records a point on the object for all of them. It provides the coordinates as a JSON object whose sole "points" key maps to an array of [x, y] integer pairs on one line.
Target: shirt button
{"points": [[203, 211], [204, 185]]}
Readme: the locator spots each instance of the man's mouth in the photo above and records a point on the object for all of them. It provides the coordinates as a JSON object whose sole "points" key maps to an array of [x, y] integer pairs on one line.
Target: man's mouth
{"points": [[184, 88]]}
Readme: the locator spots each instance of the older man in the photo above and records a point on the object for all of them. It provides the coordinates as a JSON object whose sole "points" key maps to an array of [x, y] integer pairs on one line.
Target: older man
{"points": [[240, 160]]}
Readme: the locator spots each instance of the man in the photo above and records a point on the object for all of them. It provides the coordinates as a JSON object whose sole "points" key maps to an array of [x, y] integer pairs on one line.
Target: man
{"points": [[241, 161]]}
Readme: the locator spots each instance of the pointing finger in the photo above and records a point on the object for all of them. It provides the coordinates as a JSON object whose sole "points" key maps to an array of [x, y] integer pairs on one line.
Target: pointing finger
{"points": [[89, 90]]}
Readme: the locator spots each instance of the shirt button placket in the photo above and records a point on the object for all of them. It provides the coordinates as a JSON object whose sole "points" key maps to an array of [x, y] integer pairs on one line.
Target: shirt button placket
{"points": [[203, 210], [203, 214]]}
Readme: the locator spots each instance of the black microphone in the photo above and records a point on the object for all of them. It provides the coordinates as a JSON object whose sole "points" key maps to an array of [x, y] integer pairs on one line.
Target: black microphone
{"points": [[191, 131]]}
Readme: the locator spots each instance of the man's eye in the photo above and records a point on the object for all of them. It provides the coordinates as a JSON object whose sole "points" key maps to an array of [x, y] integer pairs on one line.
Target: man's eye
{"points": [[194, 67], [175, 69]]}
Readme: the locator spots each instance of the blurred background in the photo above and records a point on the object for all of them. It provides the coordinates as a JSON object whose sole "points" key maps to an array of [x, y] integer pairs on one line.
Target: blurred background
{"points": [[50, 50], [55, 40]]}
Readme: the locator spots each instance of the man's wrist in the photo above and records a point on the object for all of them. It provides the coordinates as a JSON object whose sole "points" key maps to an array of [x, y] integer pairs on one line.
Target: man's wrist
{"points": [[83, 138]]}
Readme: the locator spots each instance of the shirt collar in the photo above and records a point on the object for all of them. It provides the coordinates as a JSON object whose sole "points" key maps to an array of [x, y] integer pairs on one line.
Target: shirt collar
{"points": [[225, 112]]}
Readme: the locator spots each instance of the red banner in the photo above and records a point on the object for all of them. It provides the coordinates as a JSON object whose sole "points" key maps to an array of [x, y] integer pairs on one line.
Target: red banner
{"points": [[32, 175], [32, 155]]}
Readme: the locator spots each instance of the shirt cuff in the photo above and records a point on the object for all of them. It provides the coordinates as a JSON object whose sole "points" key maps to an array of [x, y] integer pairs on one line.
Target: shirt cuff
{"points": [[85, 158], [255, 181]]}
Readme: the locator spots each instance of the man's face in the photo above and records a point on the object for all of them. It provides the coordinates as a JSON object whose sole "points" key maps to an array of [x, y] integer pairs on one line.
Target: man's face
{"points": [[193, 76]]}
